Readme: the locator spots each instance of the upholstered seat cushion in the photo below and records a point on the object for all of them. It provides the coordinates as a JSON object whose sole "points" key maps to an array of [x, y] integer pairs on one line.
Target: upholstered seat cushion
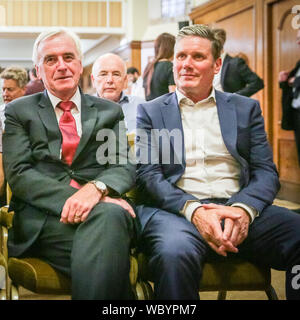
{"points": [[39, 277], [227, 274]]}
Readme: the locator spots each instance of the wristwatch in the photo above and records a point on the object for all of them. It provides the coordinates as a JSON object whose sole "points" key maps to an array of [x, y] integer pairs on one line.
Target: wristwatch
{"points": [[100, 186]]}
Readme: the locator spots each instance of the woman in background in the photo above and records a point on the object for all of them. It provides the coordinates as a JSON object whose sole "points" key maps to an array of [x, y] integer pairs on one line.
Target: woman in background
{"points": [[158, 76]]}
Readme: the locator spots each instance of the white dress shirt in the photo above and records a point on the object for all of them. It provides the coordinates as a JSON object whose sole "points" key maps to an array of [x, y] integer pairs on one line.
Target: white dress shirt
{"points": [[211, 171]]}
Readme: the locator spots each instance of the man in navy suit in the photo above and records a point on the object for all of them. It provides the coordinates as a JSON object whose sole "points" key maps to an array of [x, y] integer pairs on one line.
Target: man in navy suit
{"points": [[206, 170]]}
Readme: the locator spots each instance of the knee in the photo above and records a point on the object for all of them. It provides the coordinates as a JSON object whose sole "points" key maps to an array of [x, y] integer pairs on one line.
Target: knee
{"points": [[110, 212], [175, 250]]}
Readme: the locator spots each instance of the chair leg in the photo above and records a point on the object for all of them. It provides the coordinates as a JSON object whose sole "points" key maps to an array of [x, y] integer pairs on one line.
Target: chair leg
{"points": [[144, 291], [222, 295], [271, 293], [14, 292]]}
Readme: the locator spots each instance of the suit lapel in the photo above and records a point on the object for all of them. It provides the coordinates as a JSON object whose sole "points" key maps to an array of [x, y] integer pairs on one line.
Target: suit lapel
{"points": [[88, 121], [48, 117], [228, 123], [172, 121]]}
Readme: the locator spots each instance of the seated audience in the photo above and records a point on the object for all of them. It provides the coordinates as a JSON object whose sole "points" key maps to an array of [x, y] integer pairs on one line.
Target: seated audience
{"points": [[135, 83], [109, 78], [35, 85], [14, 85]]}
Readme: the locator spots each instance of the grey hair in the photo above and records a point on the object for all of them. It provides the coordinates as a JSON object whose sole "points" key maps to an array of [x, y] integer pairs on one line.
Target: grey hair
{"points": [[52, 32], [202, 31], [105, 56], [15, 73]]}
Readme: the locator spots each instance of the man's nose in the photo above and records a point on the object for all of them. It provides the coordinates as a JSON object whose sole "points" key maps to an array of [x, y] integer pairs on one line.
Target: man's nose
{"points": [[109, 78], [5, 92], [61, 63], [187, 62]]}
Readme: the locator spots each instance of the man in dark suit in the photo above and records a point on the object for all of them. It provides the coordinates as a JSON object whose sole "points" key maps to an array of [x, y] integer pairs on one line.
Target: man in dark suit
{"points": [[66, 182], [210, 181], [235, 75], [289, 82]]}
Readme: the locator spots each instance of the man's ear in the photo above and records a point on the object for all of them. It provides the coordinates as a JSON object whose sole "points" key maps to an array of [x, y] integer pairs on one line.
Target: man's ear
{"points": [[218, 65], [93, 81], [37, 72], [125, 82]]}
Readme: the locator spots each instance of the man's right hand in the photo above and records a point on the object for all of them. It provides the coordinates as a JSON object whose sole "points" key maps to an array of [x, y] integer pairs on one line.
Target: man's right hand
{"points": [[209, 226], [283, 76]]}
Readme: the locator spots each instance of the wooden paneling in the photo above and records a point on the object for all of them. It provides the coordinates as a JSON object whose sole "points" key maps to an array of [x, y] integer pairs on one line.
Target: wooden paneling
{"points": [[62, 13], [285, 54], [115, 14], [131, 54], [34, 13], [219, 9], [77, 13]]}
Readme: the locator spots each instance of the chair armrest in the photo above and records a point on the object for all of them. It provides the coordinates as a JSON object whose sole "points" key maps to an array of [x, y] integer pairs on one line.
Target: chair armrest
{"points": [[6, 218], [3, 278]]}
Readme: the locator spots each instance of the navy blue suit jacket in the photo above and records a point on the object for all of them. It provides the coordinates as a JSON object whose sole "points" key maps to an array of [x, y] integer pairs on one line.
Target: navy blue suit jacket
{"points": [[242, 128]]}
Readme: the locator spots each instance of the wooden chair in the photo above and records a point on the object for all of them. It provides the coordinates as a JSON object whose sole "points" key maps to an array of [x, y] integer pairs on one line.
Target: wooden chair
{"points": [[38, 276]]}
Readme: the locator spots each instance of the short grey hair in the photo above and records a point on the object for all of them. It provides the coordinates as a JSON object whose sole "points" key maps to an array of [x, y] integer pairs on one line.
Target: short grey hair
{"points": [[16, 73], [53, 32], [107, 55], [202, 31]]}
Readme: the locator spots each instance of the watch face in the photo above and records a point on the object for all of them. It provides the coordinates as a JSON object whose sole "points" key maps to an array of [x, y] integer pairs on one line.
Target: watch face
{"points": [[100, 185]]}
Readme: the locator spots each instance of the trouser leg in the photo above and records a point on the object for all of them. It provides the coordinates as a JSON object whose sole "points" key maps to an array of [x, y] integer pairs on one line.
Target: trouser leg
{"points": [[274, 240], [177, 253], [100, 261], [95, 253]]}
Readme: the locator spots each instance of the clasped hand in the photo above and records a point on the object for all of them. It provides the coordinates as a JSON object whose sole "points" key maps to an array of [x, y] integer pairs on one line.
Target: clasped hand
{"points": [[79, 205], [207, 220]]}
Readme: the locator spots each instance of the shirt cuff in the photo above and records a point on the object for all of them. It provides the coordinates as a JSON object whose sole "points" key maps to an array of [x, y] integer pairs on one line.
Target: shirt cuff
{"points": [[253, 213], [189, 208]]}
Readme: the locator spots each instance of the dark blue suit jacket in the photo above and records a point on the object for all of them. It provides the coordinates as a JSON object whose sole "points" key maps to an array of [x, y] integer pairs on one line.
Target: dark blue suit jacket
{"points": [[242, 127]]}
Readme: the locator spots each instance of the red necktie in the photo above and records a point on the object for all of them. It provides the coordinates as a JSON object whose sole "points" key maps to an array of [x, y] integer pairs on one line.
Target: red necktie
{"points": [[67, 126]]}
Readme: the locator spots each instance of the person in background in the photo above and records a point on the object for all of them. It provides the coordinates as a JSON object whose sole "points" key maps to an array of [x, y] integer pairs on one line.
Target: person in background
{"points": [[235, 75], [135, 83], [289, 82], [66, 185], [209, 190], [14, 86], [109, 78], [35, 85], [158, 75], [2, 179]]}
